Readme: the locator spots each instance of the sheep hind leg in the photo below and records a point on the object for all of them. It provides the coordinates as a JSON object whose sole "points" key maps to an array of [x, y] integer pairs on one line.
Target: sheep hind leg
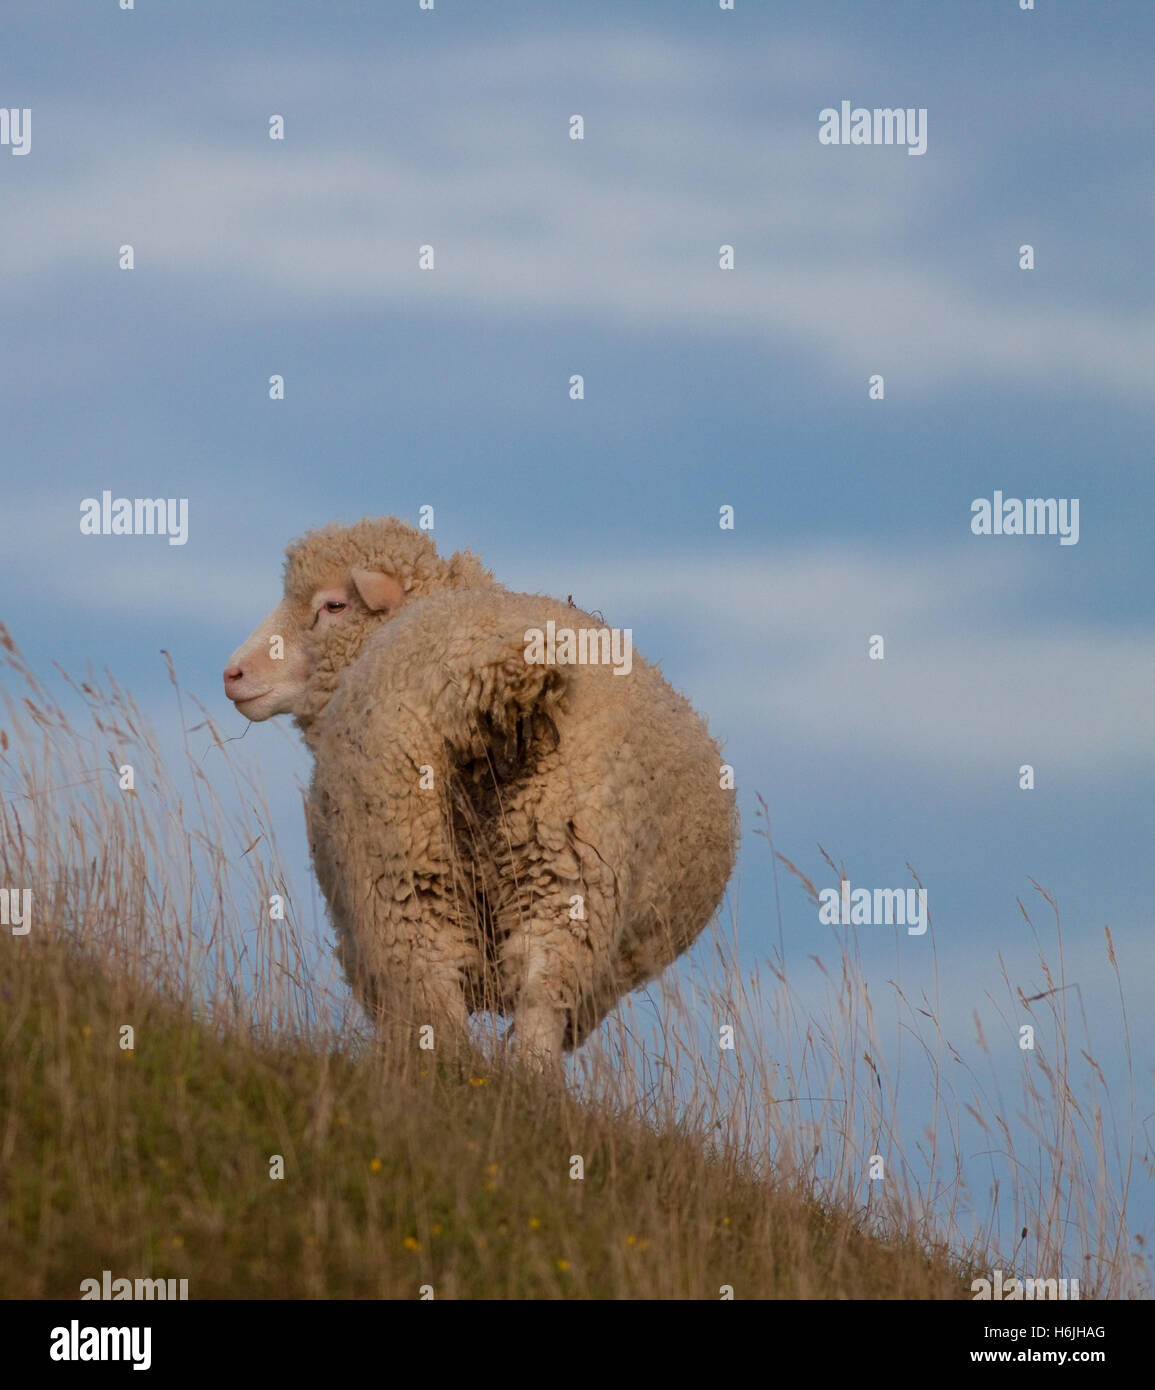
{"points": [[438, 1001], [539, 1031], [427, 1013], [540, 1015]]}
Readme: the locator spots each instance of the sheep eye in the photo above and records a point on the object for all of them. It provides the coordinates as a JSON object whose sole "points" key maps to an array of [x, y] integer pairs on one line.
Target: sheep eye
{"points": [[334, 606]]}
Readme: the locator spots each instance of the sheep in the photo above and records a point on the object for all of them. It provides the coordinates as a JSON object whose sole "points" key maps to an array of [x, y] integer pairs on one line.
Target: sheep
{"points": [[491, 832]]}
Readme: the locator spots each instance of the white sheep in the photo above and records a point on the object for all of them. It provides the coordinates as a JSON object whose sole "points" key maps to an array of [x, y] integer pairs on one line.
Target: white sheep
{"points": [[530, 837]]}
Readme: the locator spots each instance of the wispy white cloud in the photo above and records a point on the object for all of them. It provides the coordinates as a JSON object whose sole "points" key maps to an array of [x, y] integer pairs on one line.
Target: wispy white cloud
{"points": [[834, 254]]}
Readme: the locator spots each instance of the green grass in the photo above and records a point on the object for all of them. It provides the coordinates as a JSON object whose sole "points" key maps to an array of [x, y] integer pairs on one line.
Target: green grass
{"points": [[156, 1162]]}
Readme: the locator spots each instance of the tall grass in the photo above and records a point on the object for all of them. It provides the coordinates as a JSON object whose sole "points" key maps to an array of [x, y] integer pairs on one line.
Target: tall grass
{"points": [[702, 1167]]}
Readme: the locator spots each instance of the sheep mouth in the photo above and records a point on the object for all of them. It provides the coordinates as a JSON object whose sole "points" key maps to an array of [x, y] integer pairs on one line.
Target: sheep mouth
{"points": [[250, 700]]}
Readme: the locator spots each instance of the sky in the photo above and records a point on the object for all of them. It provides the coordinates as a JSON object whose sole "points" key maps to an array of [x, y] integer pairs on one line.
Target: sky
{"points": [[704, 388]]}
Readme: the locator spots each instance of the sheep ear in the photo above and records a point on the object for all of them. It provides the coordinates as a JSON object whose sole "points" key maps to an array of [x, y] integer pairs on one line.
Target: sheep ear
{"points": [[380, 593]]}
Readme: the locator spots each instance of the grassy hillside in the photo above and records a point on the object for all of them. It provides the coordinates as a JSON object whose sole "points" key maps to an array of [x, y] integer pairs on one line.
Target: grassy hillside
{"points": [[247, 1136], [157, 1162]]}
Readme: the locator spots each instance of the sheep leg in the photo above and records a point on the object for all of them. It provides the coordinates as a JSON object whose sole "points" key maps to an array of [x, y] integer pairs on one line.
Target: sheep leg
{"points": [[401, 1008], [538, 1031], [437, 999], [407, 971], [539, 1016]]}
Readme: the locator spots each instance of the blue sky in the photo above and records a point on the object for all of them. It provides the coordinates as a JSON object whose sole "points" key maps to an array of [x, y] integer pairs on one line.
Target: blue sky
{"points": [[703, 388]]}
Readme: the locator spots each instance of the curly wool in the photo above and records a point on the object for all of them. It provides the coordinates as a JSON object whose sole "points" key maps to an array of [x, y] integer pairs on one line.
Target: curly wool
{"points": [[386, 545]]}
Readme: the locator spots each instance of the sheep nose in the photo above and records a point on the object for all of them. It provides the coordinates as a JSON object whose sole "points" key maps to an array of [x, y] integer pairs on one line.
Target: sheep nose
{"points": [[232, 675]]}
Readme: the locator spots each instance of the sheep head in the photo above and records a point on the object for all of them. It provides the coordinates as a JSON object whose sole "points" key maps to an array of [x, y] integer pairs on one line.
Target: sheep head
{"points": [[271, 673], [341, 584]]}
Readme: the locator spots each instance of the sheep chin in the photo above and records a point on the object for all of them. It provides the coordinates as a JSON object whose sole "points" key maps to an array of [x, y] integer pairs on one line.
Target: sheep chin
{"points": [[258, 708]]}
